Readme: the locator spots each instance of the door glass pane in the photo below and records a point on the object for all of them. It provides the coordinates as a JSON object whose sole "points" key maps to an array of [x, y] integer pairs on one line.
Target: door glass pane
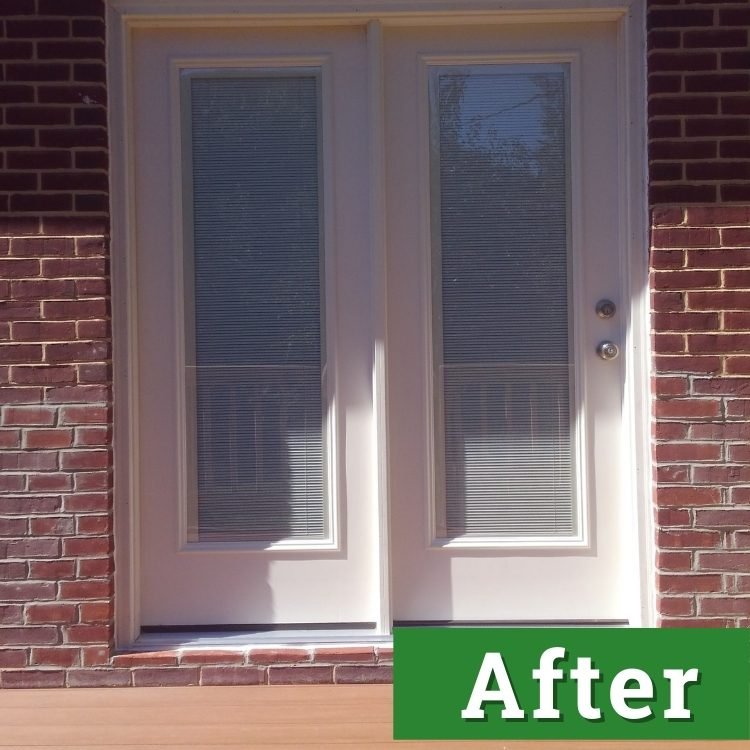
{"points": [[503, 375], [255, 338]]}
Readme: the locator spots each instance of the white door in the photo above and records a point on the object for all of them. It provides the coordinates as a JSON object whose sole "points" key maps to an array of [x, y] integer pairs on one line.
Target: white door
{"points": [[255, 220], [504, 232], [255, 411]]}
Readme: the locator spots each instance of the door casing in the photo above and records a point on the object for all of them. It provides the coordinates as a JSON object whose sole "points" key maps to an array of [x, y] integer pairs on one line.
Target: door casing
{"points": [[126, 15]]}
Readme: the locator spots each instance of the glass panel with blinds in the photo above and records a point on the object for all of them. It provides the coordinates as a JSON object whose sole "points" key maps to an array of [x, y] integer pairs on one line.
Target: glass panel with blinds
{"points": [[501, 332], [255, 335]]}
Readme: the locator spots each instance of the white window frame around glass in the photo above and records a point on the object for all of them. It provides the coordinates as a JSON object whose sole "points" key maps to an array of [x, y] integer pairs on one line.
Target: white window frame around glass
{"points": [[123, 16], [182, 70]]}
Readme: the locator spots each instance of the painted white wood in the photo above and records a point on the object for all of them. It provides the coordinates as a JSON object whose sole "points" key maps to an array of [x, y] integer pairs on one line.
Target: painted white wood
{"points": [[128, 18], [536, 580], [239, 583], [378, 222]]}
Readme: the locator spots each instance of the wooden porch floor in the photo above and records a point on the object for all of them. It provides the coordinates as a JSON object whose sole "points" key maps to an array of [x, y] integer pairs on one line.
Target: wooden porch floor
{"points": [[266, 718]]}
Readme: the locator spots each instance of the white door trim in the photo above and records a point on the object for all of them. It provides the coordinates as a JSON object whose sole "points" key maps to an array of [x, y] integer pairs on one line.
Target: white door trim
{"points": [[125, 15]]}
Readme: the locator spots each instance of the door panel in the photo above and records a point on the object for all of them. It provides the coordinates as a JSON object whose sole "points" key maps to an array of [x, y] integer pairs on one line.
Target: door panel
{"points": [[504, 441], [220, 541]]}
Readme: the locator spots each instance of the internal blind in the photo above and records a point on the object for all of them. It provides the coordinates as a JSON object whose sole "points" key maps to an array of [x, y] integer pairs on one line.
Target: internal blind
{"points": [[255, 343], [500, 300]]}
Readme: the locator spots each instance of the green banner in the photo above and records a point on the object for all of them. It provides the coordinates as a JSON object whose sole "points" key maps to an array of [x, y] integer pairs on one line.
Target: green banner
{"points": [[571, 683]]}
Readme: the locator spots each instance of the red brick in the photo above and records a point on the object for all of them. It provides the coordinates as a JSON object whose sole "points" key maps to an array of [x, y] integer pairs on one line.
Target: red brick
{"points": [[79, 351], [717, 215], [165, 676], [91, 502], [279, 656], [720, 431], [30, 636], [95, 656], [33, 678], [97, 678], [385, 653], [33, 548], [670, 280], [73, 415], [88, 634], [11, 614], [52, 526], [721, 343], [709, 605], [682, 496], [60, 656], [669, 343], [43, 289], [11, 658], [37, 28], [667, 259], [688, 539], [74, 267], [92, 436], [666, 517], [689, 452], [19, 310], [12, 570], [93, 546], [696, 622], [302, 675], [70, 50], [42, 374], [675, 606], [699, 365], [679, 62], [96, 567], [74, 309], [91, 480], [735, 191], [58, 438], [341, 655], [232, 675], [44, 331], [54, 570], [211, 656], [686, 321], [721, 386], [685, 237], [98, 524], [347, 674], [673, 474], [146, 659], [729, 517], [50, 482], [12, 482], [721, 474], [80, 590], [25, 505], [689, 408], [18, 268], [96, 612], [77, 394], [724, 561], [737, 321], [75, 460]]}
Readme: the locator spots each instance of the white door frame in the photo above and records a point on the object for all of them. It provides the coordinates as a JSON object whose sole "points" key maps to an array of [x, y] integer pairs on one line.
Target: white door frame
{"points": [[125, 15]]}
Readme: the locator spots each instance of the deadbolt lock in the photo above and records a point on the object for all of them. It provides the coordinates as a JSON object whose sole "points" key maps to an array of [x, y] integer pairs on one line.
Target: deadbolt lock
{"points": [[605, 309]]}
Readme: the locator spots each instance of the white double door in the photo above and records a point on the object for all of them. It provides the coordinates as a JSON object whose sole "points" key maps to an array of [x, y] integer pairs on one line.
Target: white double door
{"points": [[414, 560]]}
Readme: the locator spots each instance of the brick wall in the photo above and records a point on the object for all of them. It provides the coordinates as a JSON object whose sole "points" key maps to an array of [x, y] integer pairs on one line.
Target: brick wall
{"points": [[699, 127], [55, 507], [56, 596]]}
